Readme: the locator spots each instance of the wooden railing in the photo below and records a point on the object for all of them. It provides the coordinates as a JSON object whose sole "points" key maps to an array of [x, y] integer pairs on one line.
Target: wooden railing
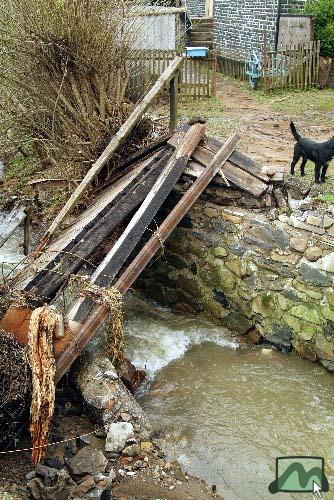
{"points": [[232, 64]]}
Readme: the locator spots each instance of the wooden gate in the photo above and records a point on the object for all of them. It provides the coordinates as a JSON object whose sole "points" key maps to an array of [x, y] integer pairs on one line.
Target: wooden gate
{"points": [[294, 67], [197, 76]]}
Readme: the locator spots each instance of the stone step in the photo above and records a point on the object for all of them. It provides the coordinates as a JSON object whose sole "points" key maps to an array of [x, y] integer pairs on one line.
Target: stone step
{"points": [[208, 34], [201, 38], [196, 26], [202, 22], [205, 43], [201, 29]]}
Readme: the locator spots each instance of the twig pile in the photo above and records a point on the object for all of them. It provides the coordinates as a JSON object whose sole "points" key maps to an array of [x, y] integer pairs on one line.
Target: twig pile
{"points": [[15, 388]]}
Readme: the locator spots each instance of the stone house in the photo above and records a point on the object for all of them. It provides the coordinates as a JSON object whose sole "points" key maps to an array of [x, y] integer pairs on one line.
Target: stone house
{"points": [[240, 24]]}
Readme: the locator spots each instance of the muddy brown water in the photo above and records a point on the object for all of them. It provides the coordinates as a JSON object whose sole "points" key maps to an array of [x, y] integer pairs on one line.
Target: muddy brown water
{"points": [[228, 413]]}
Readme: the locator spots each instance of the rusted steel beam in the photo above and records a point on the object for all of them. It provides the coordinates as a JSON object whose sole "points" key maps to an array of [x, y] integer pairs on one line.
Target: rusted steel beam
{"points": [[87, 331]]}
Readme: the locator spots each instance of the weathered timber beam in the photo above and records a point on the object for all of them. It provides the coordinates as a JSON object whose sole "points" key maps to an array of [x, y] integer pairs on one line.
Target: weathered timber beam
{"points": [[52, 279], [14, 219], [126, 166], [115, 142], [87, 331], [117, 256], [209, 146], [235, 175], [62, 245]]}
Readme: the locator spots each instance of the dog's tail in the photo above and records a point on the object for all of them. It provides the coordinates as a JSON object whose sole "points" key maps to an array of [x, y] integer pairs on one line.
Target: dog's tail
{"points": [[294, 131]]}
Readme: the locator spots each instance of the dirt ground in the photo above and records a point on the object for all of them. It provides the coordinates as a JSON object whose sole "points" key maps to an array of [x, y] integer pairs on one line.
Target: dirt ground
{"points": [[262, 121]]}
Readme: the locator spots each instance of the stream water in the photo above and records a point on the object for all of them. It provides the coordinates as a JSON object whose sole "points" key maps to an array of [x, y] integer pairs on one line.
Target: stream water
{"points": [[227, 413], [11, 254]]}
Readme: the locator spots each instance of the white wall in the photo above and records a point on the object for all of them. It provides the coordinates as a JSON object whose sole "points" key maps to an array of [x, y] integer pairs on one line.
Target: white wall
{"points": [[156, 31]]}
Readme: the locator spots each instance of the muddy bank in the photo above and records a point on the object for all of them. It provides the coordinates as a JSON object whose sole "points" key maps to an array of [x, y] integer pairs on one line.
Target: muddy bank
{"points": [[114, 453]]}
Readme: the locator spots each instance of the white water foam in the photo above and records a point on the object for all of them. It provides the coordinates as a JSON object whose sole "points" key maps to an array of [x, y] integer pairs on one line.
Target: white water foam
{"points": [[152, 344]]}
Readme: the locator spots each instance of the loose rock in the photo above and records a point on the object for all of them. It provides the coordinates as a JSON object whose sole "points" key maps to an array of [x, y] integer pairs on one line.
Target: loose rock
{"points": [[88, 461], [86, 485], [61, 489], [117, 436], [298, 244]]}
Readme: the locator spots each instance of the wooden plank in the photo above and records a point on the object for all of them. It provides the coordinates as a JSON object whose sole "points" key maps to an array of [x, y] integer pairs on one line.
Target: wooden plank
{"points": [[240, 177], [234, 175], [100, 313], [237, 157], [53, 278], [128, 165], [13, 220], [70, 236], [111, 265], [144, 215], [114, 144]]}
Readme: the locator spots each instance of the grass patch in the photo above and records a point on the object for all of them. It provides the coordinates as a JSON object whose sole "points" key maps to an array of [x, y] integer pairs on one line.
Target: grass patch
{"points": [[298, 102], [295, 102], [205, 107], [323, 194]]}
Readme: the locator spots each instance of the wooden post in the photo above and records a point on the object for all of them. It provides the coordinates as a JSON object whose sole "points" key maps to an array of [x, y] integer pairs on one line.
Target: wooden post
{"points": [[214, 75], [265, 63], [115, 142], [101, 312], [26, 235], [173, 101]]}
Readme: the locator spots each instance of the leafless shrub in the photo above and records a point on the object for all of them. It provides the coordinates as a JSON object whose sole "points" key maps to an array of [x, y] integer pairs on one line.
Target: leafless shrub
{"points": [[65, 72]]}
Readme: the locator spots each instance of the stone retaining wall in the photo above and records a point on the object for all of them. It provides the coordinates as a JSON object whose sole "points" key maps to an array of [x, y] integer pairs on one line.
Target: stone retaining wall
{"points": [[264, 274]]}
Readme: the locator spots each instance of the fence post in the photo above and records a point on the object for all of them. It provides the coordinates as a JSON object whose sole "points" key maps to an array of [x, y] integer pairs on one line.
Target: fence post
{"points": [[265, 63], [26, 232], [214, 75], [173, 101]]}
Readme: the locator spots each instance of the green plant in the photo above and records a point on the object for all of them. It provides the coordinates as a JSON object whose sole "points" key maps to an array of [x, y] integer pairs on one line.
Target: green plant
{"points": [[267, 299], [323, 10]]}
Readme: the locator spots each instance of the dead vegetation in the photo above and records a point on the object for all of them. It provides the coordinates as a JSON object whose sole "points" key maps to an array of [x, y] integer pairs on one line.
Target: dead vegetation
{"points": [[15, 388], [66, 74]]}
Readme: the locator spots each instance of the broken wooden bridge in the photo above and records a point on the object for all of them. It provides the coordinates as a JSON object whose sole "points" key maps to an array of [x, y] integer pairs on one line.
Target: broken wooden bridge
{"points": [[118, 219]]}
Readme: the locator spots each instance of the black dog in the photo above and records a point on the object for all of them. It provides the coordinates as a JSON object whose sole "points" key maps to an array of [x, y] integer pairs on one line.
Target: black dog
{"points": [[321, 153]]}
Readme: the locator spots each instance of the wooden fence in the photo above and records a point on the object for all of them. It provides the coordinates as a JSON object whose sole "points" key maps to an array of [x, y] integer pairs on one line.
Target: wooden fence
{"points": [[232, 64], [292, 67], [289, 67], [197, 77]]}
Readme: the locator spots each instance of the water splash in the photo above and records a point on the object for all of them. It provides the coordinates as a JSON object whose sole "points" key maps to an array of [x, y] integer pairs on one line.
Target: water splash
{"points": [[155, 336]]}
